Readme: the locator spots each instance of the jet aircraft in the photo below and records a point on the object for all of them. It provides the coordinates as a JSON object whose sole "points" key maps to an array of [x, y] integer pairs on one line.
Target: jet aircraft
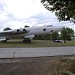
{"points": [[28, 33]]}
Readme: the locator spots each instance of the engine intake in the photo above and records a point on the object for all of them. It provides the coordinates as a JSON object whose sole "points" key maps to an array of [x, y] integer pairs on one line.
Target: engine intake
{"points": [[18, 30], [24, 30]]}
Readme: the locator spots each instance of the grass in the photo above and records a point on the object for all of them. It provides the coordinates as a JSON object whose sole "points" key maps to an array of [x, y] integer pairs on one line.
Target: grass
{"points": [[17, 43], [65, 73]]}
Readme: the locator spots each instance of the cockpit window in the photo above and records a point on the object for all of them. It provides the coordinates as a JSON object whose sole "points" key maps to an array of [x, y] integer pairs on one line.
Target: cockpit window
{"points": [[44, 29]]}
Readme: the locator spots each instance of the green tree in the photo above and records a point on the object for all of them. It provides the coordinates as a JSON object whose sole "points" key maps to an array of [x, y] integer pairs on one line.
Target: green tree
{"points": [[70, 33], [67, 33], [54, 36], [64, 9], [7, 29], [64, 34]]}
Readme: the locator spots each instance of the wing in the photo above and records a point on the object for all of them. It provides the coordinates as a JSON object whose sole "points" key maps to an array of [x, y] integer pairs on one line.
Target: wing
{"points": [[12, 32]]}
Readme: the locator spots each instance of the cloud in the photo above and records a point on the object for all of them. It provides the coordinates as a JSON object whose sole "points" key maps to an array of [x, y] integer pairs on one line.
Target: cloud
{"points": [[18, 13], [45, 18], [23, 8], [2, 6]]}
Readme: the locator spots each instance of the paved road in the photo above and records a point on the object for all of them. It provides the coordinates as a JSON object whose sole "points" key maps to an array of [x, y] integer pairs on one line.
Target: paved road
{"points": [[36, 52]]}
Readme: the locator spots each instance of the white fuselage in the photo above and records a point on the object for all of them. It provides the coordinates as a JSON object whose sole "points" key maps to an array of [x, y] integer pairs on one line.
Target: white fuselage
{"points": [[38, 30], [30, 31], [42, 30]]}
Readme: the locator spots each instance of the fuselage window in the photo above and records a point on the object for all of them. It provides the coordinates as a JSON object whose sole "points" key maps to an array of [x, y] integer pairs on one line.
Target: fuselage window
{"points": [[44, 29]]}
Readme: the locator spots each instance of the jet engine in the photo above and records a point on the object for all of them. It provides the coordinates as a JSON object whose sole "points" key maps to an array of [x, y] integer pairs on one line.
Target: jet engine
{"points": [[21, 30], [18, 30], [24, 30]]}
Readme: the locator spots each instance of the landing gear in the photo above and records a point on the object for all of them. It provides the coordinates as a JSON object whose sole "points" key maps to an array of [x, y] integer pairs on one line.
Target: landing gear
{"points": [[26, 40], [5, 40]]}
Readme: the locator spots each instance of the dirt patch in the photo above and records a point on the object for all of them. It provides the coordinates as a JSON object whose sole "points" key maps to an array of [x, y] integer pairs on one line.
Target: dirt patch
{"points": [[37, 66]]}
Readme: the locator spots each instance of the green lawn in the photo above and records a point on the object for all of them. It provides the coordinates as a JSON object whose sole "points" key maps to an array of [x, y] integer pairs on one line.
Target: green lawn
{"points": [[17, 43]]}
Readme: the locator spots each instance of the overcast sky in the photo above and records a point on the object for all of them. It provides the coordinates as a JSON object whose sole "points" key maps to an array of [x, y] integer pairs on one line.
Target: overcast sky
{"points": [[18, 13]]}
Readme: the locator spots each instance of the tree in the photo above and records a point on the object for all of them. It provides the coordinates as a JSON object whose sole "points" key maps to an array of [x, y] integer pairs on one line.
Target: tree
{"points": [[64, 9], [64, 34], [7, 29], [70, 33], [54, 36], [67, 33]]}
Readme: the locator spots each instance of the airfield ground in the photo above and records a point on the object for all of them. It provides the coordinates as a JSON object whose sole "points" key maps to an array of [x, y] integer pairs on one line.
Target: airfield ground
{"points": [[17, 43], [56, 65]]}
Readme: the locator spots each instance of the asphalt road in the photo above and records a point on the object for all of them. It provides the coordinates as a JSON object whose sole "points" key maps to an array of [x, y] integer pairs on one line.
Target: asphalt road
{"points": [[36, 52]]}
